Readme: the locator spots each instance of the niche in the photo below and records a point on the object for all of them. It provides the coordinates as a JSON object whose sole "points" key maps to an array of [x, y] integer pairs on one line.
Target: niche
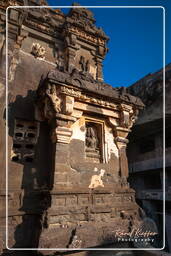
{"points": [[93, 141]]}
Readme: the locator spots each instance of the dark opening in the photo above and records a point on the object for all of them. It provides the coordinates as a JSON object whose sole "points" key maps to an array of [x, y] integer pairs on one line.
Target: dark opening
{"points": [[19, 125], [168, 140], [32, 127], [147, 145], [17, 146], [19, 134], [31, 135], [15, 158], [152, 180], [30, 146], [29, 159]]}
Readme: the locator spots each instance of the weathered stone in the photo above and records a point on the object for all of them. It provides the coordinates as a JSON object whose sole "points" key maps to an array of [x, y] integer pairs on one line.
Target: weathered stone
{"points": [[72, 129]]}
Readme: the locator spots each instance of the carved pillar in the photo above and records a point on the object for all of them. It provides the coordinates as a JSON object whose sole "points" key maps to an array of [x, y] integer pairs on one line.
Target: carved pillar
{"points": [[121, 143], [99, 74], [71, 53], [70, 48], [57, 108], [61, 131], [121, 128]]}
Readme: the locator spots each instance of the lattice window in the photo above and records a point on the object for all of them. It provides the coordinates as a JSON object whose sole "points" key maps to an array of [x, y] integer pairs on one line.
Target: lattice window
{"points": [[24, 140]]}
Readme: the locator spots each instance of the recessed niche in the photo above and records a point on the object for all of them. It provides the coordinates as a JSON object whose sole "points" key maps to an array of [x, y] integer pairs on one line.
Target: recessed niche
{"points": [[19, 125], [93, 141], [15, 158], [17, 145]]}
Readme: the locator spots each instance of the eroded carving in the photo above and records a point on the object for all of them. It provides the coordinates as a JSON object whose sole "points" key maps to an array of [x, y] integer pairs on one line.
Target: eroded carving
{"points": [[52, 101], [92, 141], [60, 60], [96, 180], [38, 51]]}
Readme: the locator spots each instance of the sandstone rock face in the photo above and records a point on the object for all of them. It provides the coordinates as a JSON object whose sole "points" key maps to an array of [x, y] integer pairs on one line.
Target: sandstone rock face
{"points": [[151, 91], [67, 134]]}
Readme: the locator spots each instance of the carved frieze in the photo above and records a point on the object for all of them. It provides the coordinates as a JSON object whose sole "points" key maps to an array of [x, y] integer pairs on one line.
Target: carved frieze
{"points": [[86, 98], [86, 36], [6, 3]]}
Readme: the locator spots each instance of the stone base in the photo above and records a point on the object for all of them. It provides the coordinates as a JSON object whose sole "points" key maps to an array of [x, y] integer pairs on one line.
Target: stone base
{"points": [[84, 235]]}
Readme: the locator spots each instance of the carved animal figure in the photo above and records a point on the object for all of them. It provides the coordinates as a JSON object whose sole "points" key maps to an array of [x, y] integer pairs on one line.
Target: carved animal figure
{"points": [[54, 99], [96, 180]]}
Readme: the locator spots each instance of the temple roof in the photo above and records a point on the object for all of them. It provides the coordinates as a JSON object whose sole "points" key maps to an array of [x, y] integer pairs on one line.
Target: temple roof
{"points": [[85, 82]]}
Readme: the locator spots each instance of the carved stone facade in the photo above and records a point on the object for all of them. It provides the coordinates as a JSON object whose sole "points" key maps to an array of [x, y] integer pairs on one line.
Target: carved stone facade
{"points": [[68, 175]]}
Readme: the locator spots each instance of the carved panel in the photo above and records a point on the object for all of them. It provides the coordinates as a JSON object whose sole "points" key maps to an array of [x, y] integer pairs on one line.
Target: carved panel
{"points": [[38, 51], [59, 201], [83, 200]]}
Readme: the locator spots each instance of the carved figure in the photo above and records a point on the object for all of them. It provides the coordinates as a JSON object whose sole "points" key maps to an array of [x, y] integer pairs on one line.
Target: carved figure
{"points": [[54, 99], [96, 180], [92, 140], [82, 63], [38, 51], [60, 60], [88, 66]]}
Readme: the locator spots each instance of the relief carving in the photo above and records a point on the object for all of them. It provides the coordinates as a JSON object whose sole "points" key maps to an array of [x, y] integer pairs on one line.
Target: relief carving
{"points": [[52, 101], [128, 116], [96, 180], [60, 60], [86, 36], [38, 51], [68, 105], [6, 3], [70, 40], [92, 141], [84, 65]]}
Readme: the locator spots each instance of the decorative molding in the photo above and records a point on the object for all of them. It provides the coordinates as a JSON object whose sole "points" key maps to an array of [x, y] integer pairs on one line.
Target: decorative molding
{"points": [[61, 135], [86, 98], [86, 36]]}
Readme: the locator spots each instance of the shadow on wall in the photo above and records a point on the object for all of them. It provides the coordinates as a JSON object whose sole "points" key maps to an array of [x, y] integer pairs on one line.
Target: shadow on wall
{"points": [[37, 175]]}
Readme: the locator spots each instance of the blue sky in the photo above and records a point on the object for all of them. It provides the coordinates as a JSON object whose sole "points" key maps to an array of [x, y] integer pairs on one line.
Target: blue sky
{"points": [[136, 37]]}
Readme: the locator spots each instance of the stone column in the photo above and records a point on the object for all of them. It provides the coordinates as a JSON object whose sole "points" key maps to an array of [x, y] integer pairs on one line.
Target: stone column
{"points": [[99, 74], [121, 128], [56, 107], [71, 48], [61, 135], [122, 144]]}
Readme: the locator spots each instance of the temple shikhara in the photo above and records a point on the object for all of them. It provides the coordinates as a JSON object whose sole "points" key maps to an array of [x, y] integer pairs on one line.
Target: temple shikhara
{"points": [[67, 134]]}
